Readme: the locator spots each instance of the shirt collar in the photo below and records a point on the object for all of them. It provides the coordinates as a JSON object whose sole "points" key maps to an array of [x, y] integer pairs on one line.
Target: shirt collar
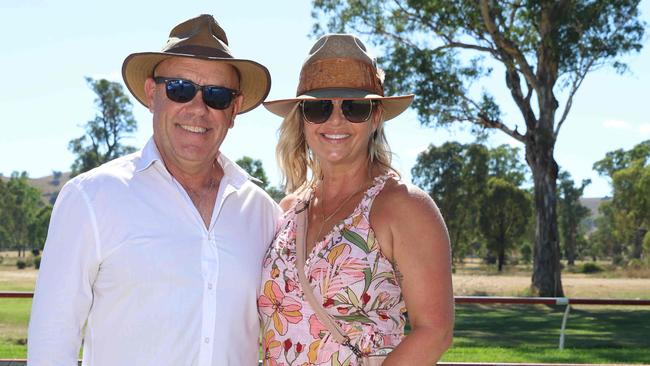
{"points": [[148, 155], [231, 171]]}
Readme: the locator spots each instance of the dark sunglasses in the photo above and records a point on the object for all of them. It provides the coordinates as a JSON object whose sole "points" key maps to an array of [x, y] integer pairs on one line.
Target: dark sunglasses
{"points": [[319, 111], [182, 91]]}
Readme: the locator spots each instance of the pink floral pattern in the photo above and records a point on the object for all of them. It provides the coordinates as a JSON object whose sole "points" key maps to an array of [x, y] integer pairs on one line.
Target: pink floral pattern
{"points": [[351, 276]]}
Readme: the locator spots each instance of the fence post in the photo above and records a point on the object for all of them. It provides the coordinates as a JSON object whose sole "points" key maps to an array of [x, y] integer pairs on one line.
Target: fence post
{"points": [[563, 301]]}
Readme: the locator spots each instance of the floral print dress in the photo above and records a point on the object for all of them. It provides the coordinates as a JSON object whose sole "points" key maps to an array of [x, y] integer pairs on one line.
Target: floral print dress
{"points": [[349, 274]]}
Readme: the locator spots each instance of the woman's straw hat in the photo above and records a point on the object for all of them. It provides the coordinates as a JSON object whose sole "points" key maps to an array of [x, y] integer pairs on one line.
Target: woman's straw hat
{"points": [[340, 67]]}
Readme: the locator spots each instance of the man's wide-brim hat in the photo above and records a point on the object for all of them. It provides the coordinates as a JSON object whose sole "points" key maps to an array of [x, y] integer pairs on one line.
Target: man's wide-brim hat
{"points": [[198, 38], [339, 67]]}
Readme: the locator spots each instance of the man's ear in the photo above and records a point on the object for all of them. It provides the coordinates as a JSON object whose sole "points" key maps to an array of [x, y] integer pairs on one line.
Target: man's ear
{"points": [[236, 107], [149, 90]]}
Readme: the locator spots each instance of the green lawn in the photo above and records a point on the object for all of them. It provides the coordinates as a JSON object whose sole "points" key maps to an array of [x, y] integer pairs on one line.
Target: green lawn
{"points": [[531, 354], [483, 333], [525, 333], [495, 333], [14, 317]]}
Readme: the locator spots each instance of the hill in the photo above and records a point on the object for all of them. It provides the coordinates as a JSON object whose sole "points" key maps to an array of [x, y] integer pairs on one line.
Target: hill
{"points": [[49, 185], [592, 203]]}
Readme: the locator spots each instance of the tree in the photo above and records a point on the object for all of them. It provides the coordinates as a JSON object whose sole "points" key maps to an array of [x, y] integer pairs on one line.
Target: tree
{"points": [[572, 212], [455, 175], [504, 216], [256, 170], [23, 215], [608, 240], [632, 199], [545, 48], [630, 207], [621, 159], [56, 178], [103, 140], [505, 164]]}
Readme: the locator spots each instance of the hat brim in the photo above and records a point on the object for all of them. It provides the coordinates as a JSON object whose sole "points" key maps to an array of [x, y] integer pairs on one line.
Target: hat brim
{"points": [[254, 82], [393, 106]]}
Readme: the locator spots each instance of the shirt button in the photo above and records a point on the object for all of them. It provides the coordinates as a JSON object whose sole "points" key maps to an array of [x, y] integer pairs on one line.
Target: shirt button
{"points": [[209, 286], [206, 340]]}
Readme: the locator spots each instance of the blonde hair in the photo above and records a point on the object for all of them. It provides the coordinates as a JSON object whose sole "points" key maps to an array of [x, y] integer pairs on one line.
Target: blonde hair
{"points": [[300, 168]]}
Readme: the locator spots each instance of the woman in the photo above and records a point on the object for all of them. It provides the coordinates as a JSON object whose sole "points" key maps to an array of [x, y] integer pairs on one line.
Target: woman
{"points": [[375, 246]]}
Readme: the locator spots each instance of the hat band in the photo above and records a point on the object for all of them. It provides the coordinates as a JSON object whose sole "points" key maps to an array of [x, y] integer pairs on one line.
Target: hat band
{"points": [[339, 73], [200, 51]]}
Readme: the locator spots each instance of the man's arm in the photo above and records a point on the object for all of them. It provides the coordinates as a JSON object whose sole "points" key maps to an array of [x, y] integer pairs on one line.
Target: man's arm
{"points": [[63, 294]]}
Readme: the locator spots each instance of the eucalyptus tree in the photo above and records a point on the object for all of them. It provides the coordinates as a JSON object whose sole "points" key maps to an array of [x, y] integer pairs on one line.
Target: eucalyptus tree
{"points": [[632, 199], [24, 216], [544, 49], [504, 216], [104, 134], [572, 212], [455, 176], [255, 168], [629, 171]]}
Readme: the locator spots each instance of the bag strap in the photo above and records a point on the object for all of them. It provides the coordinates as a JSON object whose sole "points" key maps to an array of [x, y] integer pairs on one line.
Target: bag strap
{"points": [[327, 320]]}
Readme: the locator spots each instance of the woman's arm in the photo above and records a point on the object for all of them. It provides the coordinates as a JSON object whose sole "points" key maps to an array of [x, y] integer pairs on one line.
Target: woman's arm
{"points": [[420, 251]]}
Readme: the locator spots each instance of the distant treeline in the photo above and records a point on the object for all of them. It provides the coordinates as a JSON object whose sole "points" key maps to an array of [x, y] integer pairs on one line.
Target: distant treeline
{"points": [[485, 197]]}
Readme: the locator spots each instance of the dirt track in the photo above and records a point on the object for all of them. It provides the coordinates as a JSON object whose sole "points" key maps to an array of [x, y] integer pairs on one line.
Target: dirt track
{"points": [[574, 286]]}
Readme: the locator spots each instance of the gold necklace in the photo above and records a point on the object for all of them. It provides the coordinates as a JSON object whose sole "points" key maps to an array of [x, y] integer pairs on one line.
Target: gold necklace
{"points": [[338, 208]]}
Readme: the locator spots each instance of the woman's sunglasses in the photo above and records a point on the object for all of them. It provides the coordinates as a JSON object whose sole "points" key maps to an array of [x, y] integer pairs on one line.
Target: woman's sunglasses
{"points": [[182, 91], [319, 111]]}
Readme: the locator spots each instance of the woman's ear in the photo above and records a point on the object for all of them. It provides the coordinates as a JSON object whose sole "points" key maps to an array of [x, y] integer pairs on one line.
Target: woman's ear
{"points": [[377, 117]]}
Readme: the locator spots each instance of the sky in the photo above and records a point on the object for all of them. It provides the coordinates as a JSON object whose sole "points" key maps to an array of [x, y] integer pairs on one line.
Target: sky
{"points": [[49, 47]]}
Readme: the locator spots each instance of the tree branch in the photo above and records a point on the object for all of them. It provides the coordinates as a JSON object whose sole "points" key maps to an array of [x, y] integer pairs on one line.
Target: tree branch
{"points": [[455, 44], [513, 83], [416, 18], [575, 85], [507, 46], [484, 121]]}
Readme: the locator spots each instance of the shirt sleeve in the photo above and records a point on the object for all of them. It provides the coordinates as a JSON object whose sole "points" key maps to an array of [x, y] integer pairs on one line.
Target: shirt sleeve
{"points": [[63, 294]]}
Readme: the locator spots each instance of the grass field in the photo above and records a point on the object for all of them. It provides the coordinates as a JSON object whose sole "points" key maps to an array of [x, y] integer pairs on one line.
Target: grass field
{"points": [[520, 333], [494, 333]]}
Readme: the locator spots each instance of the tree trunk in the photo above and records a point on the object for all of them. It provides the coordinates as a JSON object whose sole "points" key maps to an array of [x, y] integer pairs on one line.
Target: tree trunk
{"points": [[637, 247], [571, 246], [546, 262], [502, 257], [617, 253]]}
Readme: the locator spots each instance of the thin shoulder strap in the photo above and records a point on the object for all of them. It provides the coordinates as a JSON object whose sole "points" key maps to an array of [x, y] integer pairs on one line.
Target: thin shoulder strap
{"points": [[326, 319], [375, 189]]}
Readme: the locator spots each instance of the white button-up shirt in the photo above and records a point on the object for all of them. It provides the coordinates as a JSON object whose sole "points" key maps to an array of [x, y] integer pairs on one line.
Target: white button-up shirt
{"points": [[130, 267]]}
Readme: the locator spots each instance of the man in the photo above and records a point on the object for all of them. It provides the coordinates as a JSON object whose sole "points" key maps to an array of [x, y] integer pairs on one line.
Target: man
{"points": [[154, 258]]}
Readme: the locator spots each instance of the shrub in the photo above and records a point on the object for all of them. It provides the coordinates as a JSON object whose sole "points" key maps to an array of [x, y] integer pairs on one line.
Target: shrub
{"points": [[526, 253], [37, 262], [36, 252], [21, 264], [617, 260], [635, 264], [591, 267]]}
